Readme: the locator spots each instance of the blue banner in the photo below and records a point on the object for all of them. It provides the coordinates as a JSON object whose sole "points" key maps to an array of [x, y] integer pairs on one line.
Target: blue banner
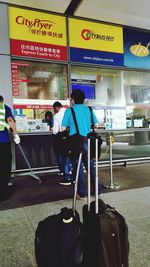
{"points": [[96, 57]]}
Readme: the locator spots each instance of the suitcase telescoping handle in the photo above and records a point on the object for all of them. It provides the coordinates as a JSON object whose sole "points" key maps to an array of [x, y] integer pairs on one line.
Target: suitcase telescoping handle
{"points": [[76, 184], [78, 166], [96, 175]]}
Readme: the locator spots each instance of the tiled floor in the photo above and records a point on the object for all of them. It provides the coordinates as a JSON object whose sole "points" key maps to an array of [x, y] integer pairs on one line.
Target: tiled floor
{"points": [[17, 226]]}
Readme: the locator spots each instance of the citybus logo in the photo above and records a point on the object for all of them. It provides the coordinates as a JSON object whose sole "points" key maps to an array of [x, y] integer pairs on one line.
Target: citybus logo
{"points": [[86, 34], [90, 35], [36, 23]]}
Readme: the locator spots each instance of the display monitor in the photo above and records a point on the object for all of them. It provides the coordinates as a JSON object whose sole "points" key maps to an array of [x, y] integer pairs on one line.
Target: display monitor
{"points": [[88, 89]]}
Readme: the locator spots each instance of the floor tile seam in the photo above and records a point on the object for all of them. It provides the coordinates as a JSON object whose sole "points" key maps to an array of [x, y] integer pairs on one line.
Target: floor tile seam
{"points": [[28, 211], [138, 253], [134, 225], [8, 213], [30, 222], [128, 196], [126, 201], [129, 190], [43, 204]]}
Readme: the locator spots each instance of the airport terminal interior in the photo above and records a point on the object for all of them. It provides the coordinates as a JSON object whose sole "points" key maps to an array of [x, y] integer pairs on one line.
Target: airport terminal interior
{"points": [[47, 50]]}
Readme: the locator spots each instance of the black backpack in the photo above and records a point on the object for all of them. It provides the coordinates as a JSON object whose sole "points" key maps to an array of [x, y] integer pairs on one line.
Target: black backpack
{"points": [[58, 240]]}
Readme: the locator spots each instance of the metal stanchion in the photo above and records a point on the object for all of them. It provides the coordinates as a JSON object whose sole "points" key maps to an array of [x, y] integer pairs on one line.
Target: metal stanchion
{"points": [[112, 184]]}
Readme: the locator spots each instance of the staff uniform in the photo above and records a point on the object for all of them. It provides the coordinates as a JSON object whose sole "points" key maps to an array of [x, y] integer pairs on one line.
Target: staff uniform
{"points": [[5, 150]]}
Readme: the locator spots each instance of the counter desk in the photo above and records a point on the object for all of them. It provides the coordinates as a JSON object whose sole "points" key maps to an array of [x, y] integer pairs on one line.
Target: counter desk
{"points": [[129, 145], [38, 148]]}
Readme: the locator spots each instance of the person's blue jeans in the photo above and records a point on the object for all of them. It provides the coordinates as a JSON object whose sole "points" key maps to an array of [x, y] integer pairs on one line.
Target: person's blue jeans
{"points": [[82, 186], [64, 166]]}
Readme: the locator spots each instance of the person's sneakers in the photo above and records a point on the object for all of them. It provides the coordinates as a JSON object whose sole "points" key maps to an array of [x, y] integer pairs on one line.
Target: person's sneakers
{"points": [[65, 182], [60, 173], [10, 183], [81, 197]]}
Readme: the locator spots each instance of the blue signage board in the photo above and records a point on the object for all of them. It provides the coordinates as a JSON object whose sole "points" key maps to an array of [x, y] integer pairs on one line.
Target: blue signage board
{"points": [[96, 57], [136, 48], [95, 43]]}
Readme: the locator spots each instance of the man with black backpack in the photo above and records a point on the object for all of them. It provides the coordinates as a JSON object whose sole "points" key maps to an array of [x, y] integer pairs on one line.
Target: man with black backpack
{"points": [[83, 119]]}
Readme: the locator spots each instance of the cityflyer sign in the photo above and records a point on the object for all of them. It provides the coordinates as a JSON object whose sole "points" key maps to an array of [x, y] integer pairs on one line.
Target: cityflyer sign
{"points": [[96, 43], [37, 35]]}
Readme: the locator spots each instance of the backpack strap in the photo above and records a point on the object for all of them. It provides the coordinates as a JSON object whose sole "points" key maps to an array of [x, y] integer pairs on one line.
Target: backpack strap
{"points": [[92, 120], [75, 120]]}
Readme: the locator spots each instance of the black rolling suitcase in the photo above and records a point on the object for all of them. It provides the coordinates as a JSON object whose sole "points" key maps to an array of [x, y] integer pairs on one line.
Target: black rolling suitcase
{"points": [[105, 232], [58, 238]]}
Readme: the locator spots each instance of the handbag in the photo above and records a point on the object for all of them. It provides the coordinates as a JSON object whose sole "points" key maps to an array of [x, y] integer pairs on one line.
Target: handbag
{"points": [[93, 136], [76, 141], [62, 142], [69, 145]]}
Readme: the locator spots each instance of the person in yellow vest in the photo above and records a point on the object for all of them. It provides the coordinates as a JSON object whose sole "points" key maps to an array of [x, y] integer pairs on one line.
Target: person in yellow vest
{"points": [[6, 121]]}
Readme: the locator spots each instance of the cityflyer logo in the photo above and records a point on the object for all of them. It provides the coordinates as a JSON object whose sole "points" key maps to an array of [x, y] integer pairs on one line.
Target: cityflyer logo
{"points": [[36, 23], [90, 35], [39, 27]]}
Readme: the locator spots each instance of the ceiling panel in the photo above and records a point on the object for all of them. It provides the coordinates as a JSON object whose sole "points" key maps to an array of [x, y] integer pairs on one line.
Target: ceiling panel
{"points": [[125, 12], [49, 5]]}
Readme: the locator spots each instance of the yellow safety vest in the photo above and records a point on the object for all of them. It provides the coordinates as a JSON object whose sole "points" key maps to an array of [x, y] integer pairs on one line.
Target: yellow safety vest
{"points": [[2, 117]]}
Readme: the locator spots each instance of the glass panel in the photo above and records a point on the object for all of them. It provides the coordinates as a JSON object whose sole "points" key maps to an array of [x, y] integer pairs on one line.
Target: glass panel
{"points": [[36, 85], [137, 87], [105, 85], [121, 99], [36, 80], [137, 93], [104, 91]]}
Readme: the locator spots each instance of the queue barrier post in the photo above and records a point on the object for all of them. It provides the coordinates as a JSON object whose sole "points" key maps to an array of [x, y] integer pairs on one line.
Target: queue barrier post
{"points": [[112, 185]]}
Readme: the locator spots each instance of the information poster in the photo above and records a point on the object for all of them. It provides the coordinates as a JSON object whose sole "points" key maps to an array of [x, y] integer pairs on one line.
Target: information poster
{"points": [[115, 119], [100, 114], [37, 35]]}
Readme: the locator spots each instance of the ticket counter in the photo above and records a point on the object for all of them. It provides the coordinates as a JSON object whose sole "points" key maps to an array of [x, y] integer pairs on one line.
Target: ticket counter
{"points": [[38, 148]]}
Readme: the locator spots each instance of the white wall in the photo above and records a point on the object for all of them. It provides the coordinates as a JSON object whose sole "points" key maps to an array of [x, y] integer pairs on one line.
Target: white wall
{"points": [[5, 62]]}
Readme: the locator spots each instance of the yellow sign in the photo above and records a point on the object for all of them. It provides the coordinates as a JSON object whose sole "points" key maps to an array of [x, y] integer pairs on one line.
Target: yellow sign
{"points": [[95, 36], [38, 27]]}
